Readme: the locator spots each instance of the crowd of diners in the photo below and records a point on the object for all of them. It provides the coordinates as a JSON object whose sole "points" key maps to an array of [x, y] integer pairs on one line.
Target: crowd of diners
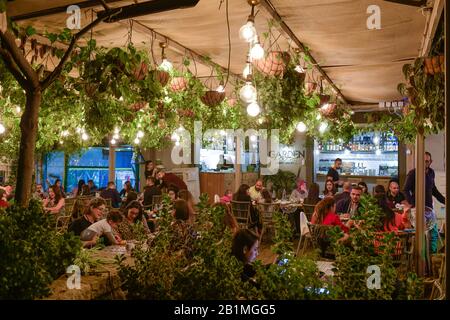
{"points": [[130, 208]]}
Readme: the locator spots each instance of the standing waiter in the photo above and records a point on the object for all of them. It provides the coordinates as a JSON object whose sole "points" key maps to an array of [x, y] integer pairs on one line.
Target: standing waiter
{"points": [[333, 173]]}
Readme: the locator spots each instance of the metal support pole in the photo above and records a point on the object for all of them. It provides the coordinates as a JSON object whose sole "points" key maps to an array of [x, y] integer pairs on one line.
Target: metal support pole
{"points": [[112, 164], [420, 205], [447, 159], [237, 164]]}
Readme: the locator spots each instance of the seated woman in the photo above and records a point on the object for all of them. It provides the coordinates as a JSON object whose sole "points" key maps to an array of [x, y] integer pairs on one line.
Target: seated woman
{"points": [[330, 189], [227, 197], [300, 193], [92, 213], [131, 196], [133, 215], [55, 202], [242, 195], [391, 220], [172, 192], [325, 214], [313, 194], [363, 186], [101, 228], [245, 248]]}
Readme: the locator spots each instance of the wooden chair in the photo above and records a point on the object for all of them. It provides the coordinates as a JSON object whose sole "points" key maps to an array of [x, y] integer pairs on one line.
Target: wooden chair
{"points": [[308, 209], [241, 211], [266, 211], [62, 223], [319, 238], [305, 236], [69, 206]]}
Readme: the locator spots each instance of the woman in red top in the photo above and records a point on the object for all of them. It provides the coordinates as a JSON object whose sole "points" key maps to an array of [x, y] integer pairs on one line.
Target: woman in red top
{"points": [[3, 202], [325, 214]]}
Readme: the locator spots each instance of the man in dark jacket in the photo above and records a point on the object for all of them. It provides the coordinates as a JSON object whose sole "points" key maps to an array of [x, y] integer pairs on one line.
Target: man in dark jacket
{"points": [[351, 205], [169, 179], [150, 190], [345, 194], [111, 193], [430, 186]]}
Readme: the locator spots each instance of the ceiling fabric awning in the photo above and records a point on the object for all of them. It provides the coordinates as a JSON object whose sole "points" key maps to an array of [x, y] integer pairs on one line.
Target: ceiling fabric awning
{"points": [[364, 64]]}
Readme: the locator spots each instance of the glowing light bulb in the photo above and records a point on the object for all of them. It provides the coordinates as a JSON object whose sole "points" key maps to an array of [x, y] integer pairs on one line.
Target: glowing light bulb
{"points": [[253, 109], [113, 141], [247, 32], [177, 143], [301, 126], [18, 109], [167, 99], [318, 117], [247, 70], [248, 93], [376, 140], [253, 138], [2, 128], [121, 98], [257, 51], [220, 89], [260, 120], [166, 65], [140, 134], [84, 136], [325, 107], [115, 136], [316, 152], [116, 130], [323, 126], [65, 133]]}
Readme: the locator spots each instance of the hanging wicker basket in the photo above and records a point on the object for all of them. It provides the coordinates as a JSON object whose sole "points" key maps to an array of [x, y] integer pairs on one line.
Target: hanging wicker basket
{"points": [[137, 106], [329, 111], [434, 65], [178, 84], [162, 77], [324, 98], [274, 64], [310, 87], [141, 71], [212, 98]]}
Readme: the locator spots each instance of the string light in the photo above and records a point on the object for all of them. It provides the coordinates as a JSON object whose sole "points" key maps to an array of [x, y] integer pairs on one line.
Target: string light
{"points": [[301, 126], [247, 70], [253, 109], [2, 128], [257, 51], [113, 141], [140, 134], [248, 93], [247, 32], [137, 141], [84, 136], [323, 126]]}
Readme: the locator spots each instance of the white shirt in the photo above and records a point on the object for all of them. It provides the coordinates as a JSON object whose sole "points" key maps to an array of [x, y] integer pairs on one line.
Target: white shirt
{"points": [[100, 227]]}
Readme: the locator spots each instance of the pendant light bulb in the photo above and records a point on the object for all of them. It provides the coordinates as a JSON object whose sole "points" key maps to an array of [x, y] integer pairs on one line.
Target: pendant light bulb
{"points": [[166, 65], [257, 51], [247, 32], [301, 127], [253, 109], [248, 93]]}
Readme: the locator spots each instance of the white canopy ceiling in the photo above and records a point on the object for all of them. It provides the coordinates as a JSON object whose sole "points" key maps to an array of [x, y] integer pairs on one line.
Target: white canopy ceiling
{"points": [[364, 64]]}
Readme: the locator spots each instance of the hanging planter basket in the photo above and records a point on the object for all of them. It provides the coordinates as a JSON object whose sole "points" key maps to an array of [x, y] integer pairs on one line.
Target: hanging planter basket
{"points": [[434, 65], [212, 98], [162, 77], [324, 98], [141, 71], [137, 106], [274, 64], [329, 111], [186, 113], [310, 87], [178, 84]]}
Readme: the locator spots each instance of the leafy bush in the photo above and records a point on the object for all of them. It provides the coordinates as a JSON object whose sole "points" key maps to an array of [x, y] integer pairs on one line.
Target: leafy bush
{"points": [[32, 253], [352, 261], [199, 264]]}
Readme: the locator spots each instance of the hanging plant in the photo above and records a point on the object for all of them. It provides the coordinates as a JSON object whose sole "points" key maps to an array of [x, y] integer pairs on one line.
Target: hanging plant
{"points": [[274, 64], [141, 71], [161, 76], [212, 98], [178, 84]]}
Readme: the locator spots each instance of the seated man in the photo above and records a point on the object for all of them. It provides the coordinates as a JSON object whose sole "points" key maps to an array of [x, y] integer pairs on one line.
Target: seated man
{"points": [[255, 191], [101, 228], [345, 194], [350, 206], [394, 196], [111, 193], [150, 190]]}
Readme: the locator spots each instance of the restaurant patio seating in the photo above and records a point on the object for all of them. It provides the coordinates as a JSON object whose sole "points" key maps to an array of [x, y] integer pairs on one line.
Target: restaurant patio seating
{"points": [[266, 211], [241, 211], [69, 206]]}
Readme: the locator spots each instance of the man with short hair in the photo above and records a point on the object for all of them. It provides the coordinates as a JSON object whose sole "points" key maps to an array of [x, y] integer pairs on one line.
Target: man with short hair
{"points": [[169, 179], [394, 196], [150, 190], [111, 193], [430, 186], [255, 191], [39, 193], [351, 205], [345, 194], [92, 187], [333, 172]]}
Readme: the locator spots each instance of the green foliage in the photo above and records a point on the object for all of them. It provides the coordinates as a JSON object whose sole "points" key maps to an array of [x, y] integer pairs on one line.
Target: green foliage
{"points": [[282, 180], [353, 259], [33, 253]]}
